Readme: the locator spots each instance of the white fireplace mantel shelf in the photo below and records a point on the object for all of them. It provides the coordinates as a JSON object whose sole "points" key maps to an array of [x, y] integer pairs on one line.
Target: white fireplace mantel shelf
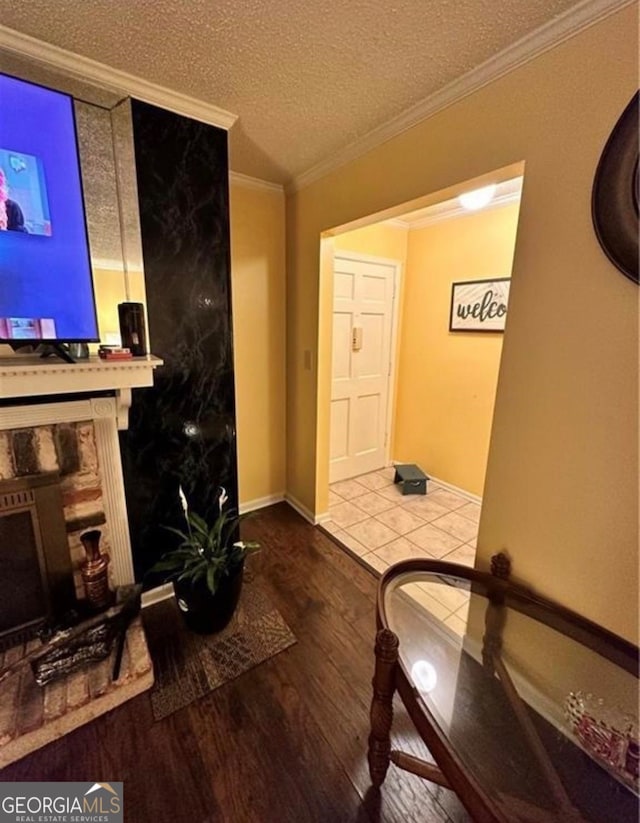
{"points": [[29, 376]]}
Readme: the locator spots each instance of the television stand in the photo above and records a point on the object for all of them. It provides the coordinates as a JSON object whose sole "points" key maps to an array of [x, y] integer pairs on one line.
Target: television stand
{"points": [[52, 349]]}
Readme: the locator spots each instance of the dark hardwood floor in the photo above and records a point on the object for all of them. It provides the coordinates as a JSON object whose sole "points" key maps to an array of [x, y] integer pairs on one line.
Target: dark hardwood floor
{"points": [[284, 742]]}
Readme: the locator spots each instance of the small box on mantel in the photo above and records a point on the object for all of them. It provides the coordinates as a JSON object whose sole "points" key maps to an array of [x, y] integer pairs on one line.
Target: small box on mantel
{"points": [[413, 479]]}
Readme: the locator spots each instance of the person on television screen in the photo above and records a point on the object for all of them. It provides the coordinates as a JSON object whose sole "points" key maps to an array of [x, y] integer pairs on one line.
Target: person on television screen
{"points": [[11, 216]]}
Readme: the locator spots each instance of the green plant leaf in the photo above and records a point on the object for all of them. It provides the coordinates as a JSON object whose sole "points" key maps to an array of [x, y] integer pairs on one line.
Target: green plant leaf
{"points": [[216, 529], [184, 576], [199, 573], [178, 556], [167, 565], [188, 550], [181, 534], [211, 579], [193, 572], [229, 529], [194, 561], [199, 524]]}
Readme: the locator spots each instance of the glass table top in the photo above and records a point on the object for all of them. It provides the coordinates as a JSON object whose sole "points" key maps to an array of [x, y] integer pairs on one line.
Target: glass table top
{"points": [[545, 724]]}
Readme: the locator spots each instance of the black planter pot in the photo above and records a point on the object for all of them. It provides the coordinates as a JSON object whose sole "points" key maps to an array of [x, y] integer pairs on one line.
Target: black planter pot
{"points": [[206, 613]]}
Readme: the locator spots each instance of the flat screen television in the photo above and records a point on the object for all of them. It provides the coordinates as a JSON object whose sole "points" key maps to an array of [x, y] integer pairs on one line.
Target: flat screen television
{"points": [[46, 286]]}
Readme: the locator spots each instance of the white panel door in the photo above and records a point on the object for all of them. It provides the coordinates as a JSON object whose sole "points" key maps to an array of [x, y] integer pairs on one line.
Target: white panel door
{"points": [[363, 293]]}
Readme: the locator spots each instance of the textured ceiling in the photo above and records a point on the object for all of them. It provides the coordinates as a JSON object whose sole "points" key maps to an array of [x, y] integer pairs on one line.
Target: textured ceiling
{"points": [[306, 78]]}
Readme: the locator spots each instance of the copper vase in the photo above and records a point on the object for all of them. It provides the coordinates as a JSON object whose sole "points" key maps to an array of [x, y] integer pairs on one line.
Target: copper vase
{"points": [[95, 571]]}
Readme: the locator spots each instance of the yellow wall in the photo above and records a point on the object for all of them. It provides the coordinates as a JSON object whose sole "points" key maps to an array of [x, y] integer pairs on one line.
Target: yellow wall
{"points": [[109, 288], [258, 295], [379, 240], [447, 381], [546, 665], [561, 491]]}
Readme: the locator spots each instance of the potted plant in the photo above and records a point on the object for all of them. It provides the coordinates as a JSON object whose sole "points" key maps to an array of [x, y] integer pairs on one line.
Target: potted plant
{"points": [[207, 567]]}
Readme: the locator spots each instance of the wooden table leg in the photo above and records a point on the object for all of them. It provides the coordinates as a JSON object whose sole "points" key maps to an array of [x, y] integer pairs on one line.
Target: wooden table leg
{"points": [[381, 714]]}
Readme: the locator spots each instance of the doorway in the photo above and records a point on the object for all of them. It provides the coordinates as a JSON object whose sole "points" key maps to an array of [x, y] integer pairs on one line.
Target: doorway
{"points": [[440, 403]]}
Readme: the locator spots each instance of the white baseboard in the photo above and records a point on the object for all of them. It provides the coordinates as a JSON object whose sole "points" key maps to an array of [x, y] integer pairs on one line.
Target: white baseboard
{"points": [[322, 518], [302, 510], [157, 595], [261, 502], [474, 498]]}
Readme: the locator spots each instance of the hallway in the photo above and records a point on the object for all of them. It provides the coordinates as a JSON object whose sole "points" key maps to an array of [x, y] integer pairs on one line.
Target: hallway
{"points": [[373, 519]]}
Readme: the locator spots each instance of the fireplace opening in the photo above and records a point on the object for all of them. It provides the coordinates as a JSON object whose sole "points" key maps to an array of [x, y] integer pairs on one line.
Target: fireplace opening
{"points": [[35, 564]]}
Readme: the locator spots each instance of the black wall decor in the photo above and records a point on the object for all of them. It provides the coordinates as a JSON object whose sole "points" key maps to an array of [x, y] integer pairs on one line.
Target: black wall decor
{"points": [[181, 431], [616, 193]]}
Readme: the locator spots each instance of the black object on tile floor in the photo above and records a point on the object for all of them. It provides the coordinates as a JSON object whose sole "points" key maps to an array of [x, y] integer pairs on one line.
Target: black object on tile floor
{"points": [[413, 479]]}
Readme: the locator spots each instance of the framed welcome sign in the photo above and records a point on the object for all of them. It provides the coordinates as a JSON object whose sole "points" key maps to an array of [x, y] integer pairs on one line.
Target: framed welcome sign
{"points": [[479, 305]]}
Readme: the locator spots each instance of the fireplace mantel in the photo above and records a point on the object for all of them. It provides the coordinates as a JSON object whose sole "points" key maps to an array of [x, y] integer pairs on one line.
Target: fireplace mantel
{"points": [[30, 376]]}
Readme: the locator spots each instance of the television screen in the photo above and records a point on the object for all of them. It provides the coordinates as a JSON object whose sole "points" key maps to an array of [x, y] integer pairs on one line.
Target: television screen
{"points": [[46, 288]]}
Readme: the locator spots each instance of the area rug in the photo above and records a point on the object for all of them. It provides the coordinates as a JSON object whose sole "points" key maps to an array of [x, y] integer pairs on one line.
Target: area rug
{"points": [[188, 666]]}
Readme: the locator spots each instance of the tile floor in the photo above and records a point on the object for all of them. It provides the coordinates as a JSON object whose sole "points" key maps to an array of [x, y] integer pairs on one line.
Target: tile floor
{"points": [[373, 519]]}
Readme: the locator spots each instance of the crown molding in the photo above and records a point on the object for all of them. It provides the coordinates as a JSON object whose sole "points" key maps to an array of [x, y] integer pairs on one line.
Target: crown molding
{"points": [[459, 211], [239, 179], [532, 45], [397, 223], [449, 214], [114, 80]]}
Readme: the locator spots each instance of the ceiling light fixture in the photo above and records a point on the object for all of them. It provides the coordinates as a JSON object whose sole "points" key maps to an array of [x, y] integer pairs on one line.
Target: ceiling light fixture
{"points": [[478, 198]]}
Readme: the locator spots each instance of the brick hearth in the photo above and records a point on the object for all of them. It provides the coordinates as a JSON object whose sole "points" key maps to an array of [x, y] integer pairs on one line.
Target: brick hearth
{"points": [[32, 716]]}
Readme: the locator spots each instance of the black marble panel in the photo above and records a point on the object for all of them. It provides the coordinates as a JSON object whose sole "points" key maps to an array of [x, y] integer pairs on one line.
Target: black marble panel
{"points": [[182, 431]]}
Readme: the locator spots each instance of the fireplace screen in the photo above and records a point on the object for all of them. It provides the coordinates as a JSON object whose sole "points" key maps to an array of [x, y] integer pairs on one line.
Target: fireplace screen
{"points": [[26, 598], [35, 565]]}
